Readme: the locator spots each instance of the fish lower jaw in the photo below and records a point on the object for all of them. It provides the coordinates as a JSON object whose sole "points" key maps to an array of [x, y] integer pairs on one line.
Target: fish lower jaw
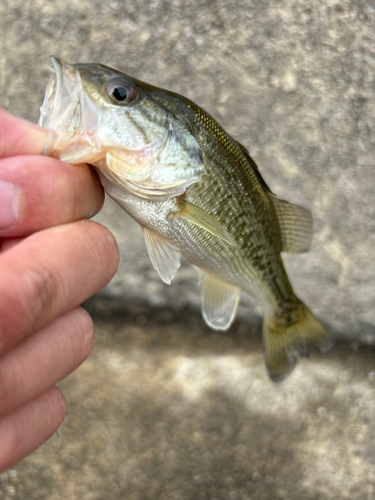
{"points": [[147, 189], [78, 152]]}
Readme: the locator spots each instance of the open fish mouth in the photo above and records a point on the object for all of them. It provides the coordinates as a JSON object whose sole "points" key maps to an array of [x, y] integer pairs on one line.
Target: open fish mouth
{"points": [[61, 112], [54, 92], [86, 126]]}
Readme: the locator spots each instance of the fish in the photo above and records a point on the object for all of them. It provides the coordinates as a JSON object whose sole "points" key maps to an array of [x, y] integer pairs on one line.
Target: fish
{"points": [[196, 193]]}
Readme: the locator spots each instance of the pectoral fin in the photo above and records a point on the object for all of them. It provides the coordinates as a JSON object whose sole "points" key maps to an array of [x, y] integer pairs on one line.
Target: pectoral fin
{"points": [[295, 224], [203, 219], [219, 303], [165, 258]]}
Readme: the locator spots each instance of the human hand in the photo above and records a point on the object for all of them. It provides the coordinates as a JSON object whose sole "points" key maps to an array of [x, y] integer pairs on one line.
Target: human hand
{"points": [[50, 261]]}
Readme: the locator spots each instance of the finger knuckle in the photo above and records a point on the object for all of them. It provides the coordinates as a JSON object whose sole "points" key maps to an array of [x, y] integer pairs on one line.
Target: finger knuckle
{"points": [[41, 291], [86, 327], [10, 387], [107, 250]]}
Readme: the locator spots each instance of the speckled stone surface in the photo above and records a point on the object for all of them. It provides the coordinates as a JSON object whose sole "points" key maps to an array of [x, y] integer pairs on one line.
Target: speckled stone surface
{"points": [[167, 409], [171, 410], [294, 81]]}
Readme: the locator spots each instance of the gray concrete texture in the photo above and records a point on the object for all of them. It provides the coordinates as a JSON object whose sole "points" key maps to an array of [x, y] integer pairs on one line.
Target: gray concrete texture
{"points": [[294, 81], [165, 408]]}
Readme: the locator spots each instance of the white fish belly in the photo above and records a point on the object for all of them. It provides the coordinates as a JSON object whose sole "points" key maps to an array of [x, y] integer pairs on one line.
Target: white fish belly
{"points": [[196, 245]]}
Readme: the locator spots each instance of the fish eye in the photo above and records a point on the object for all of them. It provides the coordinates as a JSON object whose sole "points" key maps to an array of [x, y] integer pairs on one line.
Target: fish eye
{"points": [[121, 91]]}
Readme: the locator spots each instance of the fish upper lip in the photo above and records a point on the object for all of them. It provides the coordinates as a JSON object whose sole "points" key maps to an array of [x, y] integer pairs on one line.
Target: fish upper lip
{"points": [[64, 78], [56, 66], [53, 92], [47, 108], [59, 106]]}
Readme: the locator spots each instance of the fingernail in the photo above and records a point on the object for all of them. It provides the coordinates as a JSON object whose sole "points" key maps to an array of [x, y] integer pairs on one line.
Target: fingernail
{"points": [[31, 125], [9, 201], [35, 137], [40, 133]]}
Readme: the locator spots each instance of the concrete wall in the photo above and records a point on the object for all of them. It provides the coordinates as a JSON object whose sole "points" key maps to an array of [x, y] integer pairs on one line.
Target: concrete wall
{"points": [[165, 408], [294, 81]]}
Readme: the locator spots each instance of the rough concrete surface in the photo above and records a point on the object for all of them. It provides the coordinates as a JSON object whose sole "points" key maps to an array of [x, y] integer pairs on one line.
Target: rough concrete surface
{"points": [[169, 409], [294, 81]]}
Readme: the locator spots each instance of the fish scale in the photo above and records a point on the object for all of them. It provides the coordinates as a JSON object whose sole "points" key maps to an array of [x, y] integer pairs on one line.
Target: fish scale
{"points": [[245, 203], [196, 193]]}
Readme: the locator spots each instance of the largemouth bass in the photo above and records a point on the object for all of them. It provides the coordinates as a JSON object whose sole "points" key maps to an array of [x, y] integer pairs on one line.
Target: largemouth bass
{"points": [[196, 193]]}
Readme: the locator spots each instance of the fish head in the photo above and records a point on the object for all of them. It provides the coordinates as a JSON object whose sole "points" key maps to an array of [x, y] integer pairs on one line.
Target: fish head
{"points": [[140, 138]]}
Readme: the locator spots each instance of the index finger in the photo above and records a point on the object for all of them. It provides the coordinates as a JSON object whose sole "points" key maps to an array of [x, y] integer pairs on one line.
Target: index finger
{"points": [[20, 137]]}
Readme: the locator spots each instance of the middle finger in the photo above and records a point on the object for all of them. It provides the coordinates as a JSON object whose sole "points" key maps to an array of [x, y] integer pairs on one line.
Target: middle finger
{"points": [[50, 273]]}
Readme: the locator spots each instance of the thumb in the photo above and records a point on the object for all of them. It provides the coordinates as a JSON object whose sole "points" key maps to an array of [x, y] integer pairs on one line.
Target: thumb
{"points": [[20, 137]]}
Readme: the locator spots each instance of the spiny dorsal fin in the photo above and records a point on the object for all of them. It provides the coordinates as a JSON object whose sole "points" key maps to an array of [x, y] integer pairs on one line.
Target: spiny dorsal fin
{"points": [[165, 258], [219, 303], [203, 219], [255, 167], [295, 224]]}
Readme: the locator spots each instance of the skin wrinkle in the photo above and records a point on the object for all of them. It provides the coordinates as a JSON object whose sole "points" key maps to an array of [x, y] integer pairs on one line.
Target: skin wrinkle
{"points": [[64, 185], [8, 437], [5, 393], [69, 337], [11, 384], [9, 243], [77, 336], [104, 252], [35, 288], [76, 203], [14, 434], [40, 418], [42, 290], [88, 331], [21, 136], [80, 201], [69, 192], [50, 289]]}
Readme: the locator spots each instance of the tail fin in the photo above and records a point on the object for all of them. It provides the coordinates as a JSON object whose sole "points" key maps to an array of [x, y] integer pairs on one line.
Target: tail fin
{"points": [[283, 343]]}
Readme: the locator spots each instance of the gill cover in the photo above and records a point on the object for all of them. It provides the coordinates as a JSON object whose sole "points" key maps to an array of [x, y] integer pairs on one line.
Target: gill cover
{"points": [[161, 170], [86, 124]]}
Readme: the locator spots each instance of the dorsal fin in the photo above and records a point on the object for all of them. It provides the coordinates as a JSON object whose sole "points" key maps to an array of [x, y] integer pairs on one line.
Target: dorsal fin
{"points": [[295, 224], [254, 166]]}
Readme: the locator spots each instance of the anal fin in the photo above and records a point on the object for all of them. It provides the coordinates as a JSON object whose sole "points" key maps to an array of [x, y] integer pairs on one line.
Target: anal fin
{"points": [[219, 303], [165, 258]]}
